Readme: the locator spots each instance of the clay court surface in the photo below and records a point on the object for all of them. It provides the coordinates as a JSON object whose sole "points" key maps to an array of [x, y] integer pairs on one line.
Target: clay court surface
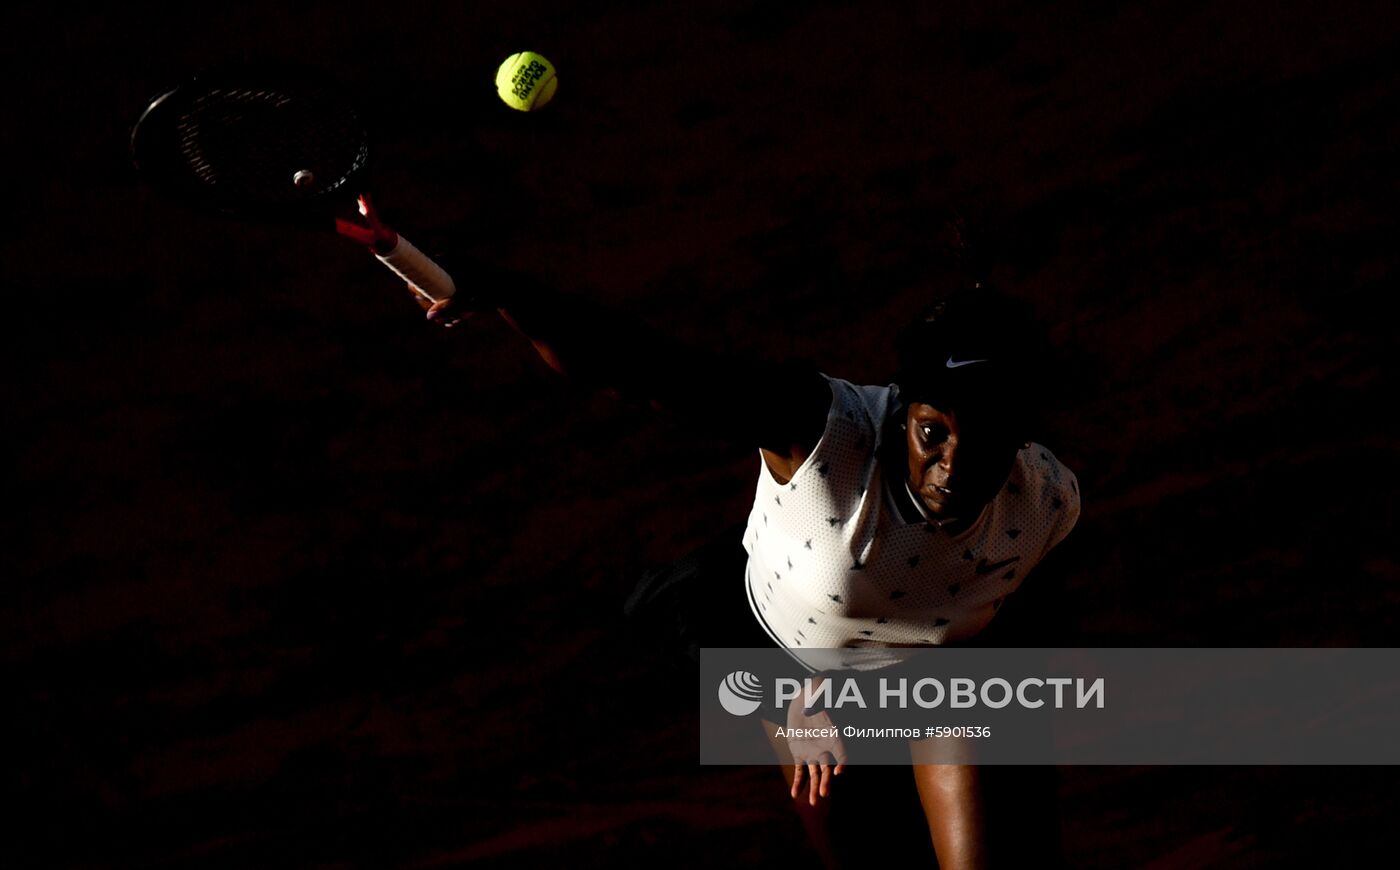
{"points": [[297, 580]]}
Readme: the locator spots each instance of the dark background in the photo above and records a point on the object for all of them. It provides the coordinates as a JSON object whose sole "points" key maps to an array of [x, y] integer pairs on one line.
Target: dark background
{"points": [[297, 579]]}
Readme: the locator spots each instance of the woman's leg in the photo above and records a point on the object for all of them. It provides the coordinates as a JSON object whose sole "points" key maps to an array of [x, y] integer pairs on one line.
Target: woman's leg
{"points": [[992, 816], [871, 813], [952, 799]]}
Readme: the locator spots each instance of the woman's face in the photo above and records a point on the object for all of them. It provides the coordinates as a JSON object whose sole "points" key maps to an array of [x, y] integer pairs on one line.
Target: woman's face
{"points": [[957, 461]]}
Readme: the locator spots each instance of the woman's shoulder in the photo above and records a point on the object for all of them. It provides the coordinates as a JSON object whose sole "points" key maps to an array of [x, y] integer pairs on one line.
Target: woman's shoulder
{"points": [[869, 404]]}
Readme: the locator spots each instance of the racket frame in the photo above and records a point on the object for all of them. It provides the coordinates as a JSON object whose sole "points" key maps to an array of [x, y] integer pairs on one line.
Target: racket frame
{"points": [[154, 158]]}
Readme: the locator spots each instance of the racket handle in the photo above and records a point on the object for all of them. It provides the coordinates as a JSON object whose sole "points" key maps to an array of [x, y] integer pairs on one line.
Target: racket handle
{"points": [[423, 275]]}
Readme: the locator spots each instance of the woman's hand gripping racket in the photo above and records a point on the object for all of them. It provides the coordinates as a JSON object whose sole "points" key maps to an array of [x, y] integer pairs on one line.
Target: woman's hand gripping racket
{"points": [[275, 144]]}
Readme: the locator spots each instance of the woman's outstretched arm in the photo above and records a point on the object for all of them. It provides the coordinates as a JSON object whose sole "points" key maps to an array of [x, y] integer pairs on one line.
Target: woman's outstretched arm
{"points": [[780, 408]]}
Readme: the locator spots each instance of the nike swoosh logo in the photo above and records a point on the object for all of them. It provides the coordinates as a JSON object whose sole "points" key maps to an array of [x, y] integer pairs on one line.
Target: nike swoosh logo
{"points": [[984, 568], [962, 362]]}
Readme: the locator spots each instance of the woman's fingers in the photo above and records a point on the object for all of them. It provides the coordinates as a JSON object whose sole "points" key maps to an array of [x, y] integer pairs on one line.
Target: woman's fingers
{"points": [[818, 775], [443, 312]]}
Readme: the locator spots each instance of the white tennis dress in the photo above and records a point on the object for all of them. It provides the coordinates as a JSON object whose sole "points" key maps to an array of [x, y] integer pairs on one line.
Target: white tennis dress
{"points": [[833, 564]]}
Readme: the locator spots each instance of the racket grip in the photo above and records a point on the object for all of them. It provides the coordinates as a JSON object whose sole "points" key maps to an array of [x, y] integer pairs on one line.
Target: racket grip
{"points": [[423, 275]]}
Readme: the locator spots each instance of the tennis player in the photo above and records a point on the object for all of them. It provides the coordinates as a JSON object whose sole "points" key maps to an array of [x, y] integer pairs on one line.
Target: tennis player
{"points": [[884, 516]]}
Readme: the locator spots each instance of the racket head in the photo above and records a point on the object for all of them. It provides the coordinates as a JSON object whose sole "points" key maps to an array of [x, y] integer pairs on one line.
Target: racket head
{"points": [[265, 141]]}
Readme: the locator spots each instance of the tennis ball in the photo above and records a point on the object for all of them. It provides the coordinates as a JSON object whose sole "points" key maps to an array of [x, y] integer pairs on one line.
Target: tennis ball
{"points": [[526, 81]]}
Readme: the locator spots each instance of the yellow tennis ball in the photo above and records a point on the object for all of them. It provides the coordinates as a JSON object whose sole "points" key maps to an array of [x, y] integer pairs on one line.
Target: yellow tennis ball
{"points": [[526, 81]]}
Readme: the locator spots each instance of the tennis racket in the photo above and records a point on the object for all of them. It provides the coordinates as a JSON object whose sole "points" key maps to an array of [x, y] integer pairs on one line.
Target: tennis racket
{"points": [[279, 144]]}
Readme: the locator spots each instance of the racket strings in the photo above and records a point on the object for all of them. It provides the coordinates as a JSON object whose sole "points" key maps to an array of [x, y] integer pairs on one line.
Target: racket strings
{"points": [[259, 147]]}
